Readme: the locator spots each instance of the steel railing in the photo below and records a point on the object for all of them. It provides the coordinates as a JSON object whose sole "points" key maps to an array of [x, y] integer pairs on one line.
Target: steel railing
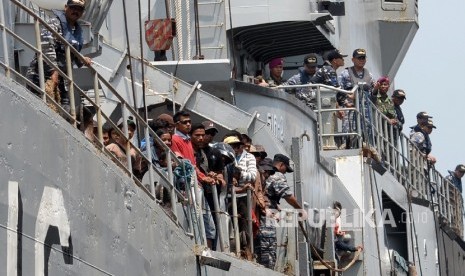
{"points": [[189, 197], [397, 153]]}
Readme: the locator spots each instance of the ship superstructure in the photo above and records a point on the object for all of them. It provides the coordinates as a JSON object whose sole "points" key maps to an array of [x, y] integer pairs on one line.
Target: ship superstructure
{"points": [[69, 207]]}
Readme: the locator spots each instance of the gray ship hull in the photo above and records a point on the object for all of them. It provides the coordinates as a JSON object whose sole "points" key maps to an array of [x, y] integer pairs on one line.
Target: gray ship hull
{"points": [[67, 209]]}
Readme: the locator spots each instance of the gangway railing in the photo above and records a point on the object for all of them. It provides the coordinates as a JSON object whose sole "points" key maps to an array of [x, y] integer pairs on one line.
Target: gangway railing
{"points": [[396, 152], [189, 196]]}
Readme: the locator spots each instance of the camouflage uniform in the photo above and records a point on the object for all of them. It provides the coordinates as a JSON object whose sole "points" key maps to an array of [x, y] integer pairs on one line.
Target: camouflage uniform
{"points": [[326, 75], [348, 79], [385, 106], [275, 82], [305, 94], [276, 188], [422, 141], [455, 180], [55, 51]]}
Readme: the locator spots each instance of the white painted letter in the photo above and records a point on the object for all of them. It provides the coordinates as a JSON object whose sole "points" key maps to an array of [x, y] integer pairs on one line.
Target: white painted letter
{"points": [[12, 231], [52, 212]]}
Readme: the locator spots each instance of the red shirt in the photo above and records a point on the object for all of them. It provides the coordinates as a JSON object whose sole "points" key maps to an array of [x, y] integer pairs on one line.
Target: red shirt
{"points": [[184, 147], [182, 143]]}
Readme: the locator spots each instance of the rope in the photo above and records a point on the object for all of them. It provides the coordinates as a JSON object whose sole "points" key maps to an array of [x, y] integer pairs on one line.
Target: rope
{"points": [[315, 252], [178, 11], [198, 51], [188, 27]]}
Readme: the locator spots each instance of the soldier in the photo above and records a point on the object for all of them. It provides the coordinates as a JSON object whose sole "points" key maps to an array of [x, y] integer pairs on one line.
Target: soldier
{"points": [[422, 141], [65, 23], [380, 98], [276, 72], [398, 98], [422, 117], [327, 74], [350, 77], [303, 77], [353, 75], [277, 188], [455, 177]]}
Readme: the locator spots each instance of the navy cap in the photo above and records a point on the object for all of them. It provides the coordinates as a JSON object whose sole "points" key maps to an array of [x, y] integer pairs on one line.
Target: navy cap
{"points": [[283, 158], [334, 54], [359, 53], [399, 93], [311, 60], [423, 115], [460, 168]]}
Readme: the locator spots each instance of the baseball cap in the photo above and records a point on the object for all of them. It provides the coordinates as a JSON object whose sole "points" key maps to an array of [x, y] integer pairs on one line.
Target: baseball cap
{"points": [[359, 53], [335, 54], [232, 140], [399, 93], [78, 3], [460, 168], [429, 123], [423, 115], [311, 60], [209, 125], [266, 165], [283, 158]]}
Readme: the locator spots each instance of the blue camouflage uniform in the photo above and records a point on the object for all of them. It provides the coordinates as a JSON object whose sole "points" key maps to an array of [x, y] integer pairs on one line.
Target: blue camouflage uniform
{"points": [[348, 79], [276, 188], [422, 141], [455, 180], [305, 94], [55, 51], [326, 75]]}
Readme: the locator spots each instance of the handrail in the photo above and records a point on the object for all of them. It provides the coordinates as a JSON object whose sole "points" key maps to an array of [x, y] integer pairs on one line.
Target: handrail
{"points": [[403, 158], [127, 110]]}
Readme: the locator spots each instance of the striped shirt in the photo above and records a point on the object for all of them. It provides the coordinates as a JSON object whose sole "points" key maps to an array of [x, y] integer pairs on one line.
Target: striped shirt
{"points": [[246, 161]]}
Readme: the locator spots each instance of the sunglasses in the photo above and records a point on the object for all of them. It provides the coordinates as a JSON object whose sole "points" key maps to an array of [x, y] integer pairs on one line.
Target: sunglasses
{"points": [[185, 122], [362, 58]]}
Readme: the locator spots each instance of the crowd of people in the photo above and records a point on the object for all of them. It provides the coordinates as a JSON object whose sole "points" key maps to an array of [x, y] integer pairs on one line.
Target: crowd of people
{"points": [[231, 164], [234, 164], [375, 90]]}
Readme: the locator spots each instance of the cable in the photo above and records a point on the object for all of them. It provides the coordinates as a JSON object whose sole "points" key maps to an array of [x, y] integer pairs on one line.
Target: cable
{"points": [[315, 252], [178, 11], [130, 65], [232, 40], [188, 27], [144, 100]]}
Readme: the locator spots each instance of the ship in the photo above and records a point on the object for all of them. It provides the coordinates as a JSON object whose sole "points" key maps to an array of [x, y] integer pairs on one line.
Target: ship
{"points": [[69, 208]]}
